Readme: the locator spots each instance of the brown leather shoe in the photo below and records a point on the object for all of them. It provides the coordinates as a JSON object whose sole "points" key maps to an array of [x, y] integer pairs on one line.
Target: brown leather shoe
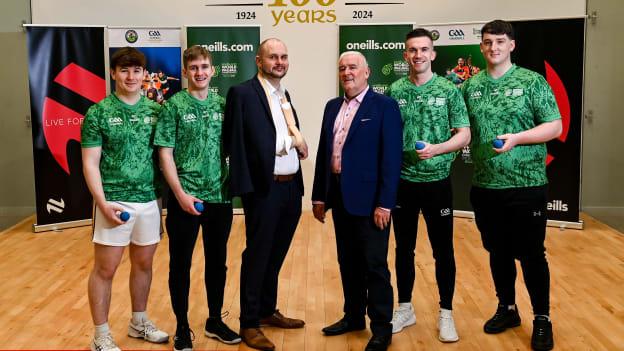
{"points": [[255, 339], [279, 320]]}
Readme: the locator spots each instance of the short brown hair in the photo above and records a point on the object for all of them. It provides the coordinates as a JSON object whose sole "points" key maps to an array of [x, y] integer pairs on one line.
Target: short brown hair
{"points": [[195, 52], [127, 57], [498, 27]]}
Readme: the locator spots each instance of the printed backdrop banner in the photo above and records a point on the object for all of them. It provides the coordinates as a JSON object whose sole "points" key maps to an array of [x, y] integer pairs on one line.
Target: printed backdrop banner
{"points": [[233, 52], [383, 46], [161, 47], [66, 76], [459, 58]]}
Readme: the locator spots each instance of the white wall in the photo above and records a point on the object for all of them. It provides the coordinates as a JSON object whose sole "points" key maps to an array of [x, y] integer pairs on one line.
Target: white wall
{"points": [[313, 47]]}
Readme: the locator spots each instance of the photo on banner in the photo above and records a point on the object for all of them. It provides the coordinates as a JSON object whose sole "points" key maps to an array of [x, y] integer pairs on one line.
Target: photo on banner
{"points": [[457, 48], [233, 52], [162, 49], [66, 76], [383, 47]]}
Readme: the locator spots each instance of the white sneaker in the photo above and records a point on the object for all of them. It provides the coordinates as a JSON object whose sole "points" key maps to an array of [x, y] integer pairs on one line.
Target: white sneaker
{"points": [[446, 326], [403, 317], [147, 331], [104, 343]]}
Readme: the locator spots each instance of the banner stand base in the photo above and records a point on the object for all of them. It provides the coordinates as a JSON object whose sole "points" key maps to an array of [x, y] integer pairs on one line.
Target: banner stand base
{"points": [[63, 225], [551, 223]]}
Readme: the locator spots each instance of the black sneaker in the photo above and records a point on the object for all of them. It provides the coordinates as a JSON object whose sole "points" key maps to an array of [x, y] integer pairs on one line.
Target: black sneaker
{"points": [[183, 339], [216, 329], [503, 319], [542, 338]]}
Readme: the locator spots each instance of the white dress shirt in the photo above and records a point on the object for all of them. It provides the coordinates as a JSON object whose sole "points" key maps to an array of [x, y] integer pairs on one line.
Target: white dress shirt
{"points": [[286, 158]]}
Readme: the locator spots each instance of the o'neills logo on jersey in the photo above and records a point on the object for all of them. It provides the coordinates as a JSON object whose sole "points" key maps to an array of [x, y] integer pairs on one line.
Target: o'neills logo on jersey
{"points": [[150, 120], [557, 205], [476, 94], [189, 117], [217, 116], [402, 102], [115, 121]]}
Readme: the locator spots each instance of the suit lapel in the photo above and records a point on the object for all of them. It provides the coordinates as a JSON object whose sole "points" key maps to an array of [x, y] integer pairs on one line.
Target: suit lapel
{"points": [[367, 103], [263, 98]]}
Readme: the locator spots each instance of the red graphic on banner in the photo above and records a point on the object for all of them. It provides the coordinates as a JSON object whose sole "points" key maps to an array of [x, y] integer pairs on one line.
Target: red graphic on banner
{"points": [[62, 124], [561, 96], [82, 82]]}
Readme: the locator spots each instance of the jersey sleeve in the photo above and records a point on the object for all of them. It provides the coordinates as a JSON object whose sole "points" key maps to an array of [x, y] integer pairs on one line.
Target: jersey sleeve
{"points": [[166, 126], [90, 132], [458, 113], [543, 101]]}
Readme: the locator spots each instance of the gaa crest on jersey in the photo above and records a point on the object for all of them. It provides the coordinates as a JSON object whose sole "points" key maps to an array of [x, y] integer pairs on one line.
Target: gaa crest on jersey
{"points": [[189, 117], [115, 121], [476, 94]]}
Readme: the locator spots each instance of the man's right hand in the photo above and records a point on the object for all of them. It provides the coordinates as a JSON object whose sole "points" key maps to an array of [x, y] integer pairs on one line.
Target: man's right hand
{"points": [[319, 212], [110, 210], [187, 203]]}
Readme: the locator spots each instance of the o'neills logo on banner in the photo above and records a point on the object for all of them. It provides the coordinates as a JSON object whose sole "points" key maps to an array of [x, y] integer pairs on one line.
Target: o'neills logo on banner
{"points": [[302, 11]]}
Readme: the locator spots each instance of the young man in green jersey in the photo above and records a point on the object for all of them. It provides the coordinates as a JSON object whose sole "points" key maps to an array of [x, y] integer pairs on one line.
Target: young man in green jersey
{"points": [[120, 171], [517, 106], [193, 162], [431, 107]]}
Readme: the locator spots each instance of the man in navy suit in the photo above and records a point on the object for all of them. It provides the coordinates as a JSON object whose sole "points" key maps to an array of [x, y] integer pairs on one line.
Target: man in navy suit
{"points": [[357, 173], [264, 144]]}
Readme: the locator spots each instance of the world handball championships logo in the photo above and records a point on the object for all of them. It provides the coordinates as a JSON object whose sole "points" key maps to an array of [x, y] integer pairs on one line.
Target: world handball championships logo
{"points": [[62, 123], [132, 36]]}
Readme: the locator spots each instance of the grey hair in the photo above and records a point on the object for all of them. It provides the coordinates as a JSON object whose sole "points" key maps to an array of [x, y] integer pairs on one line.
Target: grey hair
{"points": [[357, 53]]}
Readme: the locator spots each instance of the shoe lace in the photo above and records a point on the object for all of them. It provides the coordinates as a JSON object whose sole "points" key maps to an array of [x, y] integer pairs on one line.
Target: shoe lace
{"points": [[225, 314], [186, 336], [105, 342], [401, 315], [446, 323], [149, 327]]}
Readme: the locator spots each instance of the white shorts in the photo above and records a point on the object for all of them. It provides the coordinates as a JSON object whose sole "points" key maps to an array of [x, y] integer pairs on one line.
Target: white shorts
{"points": [[143, 228]]}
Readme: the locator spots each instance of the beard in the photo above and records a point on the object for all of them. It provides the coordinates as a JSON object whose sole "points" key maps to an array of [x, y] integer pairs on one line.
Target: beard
{"points": [[274, 73]]}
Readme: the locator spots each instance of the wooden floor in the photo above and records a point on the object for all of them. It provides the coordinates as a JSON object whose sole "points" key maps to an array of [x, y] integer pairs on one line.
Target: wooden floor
{"points": [[43, 300]]}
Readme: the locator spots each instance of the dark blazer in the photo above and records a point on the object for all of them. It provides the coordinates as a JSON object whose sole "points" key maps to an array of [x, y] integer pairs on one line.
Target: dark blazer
{"points": [[249, 139], [371, 155]]}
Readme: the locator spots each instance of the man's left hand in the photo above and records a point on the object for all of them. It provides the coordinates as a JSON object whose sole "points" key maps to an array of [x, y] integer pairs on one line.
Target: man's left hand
{"points": [[302, 150], [381, 218]]}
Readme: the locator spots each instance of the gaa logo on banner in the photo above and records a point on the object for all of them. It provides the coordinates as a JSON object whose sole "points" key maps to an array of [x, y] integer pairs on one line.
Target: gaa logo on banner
{"points": [[131, 36], [300, 12], [154, 35], [456, 34]]}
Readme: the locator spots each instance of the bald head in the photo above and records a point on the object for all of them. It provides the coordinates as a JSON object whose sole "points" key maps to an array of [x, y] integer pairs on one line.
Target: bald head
{"points": [[266, 42], [272, 60]]}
